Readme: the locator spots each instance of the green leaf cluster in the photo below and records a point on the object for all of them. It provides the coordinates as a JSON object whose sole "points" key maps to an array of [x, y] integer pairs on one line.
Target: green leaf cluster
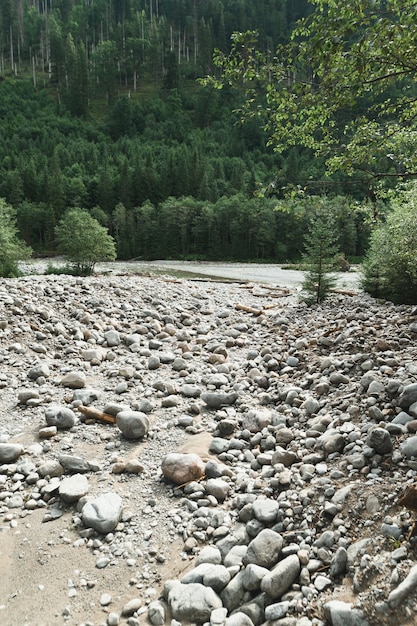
{"points": [[390, 268], [12, 249], [345, 86], [83, 241]]}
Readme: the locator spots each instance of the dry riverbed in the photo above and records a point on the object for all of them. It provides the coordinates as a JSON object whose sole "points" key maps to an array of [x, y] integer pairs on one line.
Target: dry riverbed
{"points": [[303, 418]]}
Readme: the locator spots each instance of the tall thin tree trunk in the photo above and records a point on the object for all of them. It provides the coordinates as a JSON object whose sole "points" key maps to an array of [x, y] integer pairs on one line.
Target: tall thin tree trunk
{"points": [[143, 38], [195, 23], [11, 48], [33, 66]]}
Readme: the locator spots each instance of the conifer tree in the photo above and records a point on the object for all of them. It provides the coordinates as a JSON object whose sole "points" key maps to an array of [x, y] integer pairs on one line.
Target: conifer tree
{"points": [[321, 248]]}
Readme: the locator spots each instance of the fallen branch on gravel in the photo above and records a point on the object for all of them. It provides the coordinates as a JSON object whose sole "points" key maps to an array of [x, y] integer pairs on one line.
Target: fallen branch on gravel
{"points": [[189, 482], [272, 306], [247, 309], [409, 499], [214, 279], [97, 415], [282, 294], [344, 292]]}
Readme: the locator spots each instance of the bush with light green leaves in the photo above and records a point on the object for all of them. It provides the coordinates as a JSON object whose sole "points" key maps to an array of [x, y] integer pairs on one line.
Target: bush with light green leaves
{"points": [[390, 268], [83, 241], [12, 249]]}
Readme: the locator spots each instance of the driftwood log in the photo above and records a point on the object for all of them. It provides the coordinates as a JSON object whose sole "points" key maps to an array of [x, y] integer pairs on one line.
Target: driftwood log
{"points": [[344, 292], [247, 309], [408, 498], [96, 415]]}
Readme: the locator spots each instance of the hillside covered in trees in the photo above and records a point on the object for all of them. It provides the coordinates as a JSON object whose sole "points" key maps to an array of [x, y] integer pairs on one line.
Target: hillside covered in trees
{"points": [[100, 108]]}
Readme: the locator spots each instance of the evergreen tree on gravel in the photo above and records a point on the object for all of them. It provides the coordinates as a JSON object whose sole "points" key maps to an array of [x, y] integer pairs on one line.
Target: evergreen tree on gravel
{"points": [[321, 248]]}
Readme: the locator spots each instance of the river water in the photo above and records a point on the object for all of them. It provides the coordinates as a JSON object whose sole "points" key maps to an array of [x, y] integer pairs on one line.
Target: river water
{"points": [[269, 274]]}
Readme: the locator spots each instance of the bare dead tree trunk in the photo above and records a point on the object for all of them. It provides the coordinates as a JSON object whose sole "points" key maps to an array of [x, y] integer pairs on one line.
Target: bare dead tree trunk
{"points": [[11, 48], [195, 26]]}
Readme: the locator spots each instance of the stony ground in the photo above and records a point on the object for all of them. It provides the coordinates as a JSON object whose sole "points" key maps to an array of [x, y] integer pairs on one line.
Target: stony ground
{"points": [[304, 417]]}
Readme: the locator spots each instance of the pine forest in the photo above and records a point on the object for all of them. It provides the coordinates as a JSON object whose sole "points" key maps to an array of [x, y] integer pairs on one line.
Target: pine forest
{"points": [[101, 108]]}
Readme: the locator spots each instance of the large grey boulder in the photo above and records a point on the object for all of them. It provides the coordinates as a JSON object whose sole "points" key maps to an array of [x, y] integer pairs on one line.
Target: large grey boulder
{"points": [[77, 465], [133, 424], [256, 419], [281, 577], [408, 396], [342, 614], [73, 488], [60, 416], [265, 549], [380, 440], [112, 338], [156, 613], [73, 380], [215, 400], [10, 452], [103, 513], [253, 575], [234, 594], [265, 510], [409, 447], [218, 488], [85, 396], [210, 575], [192, 603], [38, 371]]}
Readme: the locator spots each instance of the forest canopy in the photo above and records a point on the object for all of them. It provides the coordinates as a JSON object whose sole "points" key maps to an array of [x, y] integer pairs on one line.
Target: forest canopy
{"points": [[100, 109]]}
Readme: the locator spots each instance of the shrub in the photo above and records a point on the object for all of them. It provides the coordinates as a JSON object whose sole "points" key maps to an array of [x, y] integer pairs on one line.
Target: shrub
{"points": [[390, 267], [82, 239], [12, 249], [321, 247], [58, 269]]}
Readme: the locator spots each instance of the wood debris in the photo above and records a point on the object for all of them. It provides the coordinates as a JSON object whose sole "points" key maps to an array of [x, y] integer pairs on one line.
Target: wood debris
{"points": [[96, 415], [247, 309], [344, 292], [409, 499]]}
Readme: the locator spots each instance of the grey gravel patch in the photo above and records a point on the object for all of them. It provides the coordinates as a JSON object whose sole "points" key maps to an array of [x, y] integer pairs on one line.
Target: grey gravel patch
{"points": [[304, 446]]}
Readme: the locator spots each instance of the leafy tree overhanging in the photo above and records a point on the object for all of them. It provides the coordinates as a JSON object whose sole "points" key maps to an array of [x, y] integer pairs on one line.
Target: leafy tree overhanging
{"points": [[345, 86]]}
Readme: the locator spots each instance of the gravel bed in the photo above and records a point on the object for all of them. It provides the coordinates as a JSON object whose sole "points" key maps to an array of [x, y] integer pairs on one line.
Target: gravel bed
{"points": [[257, 465]]}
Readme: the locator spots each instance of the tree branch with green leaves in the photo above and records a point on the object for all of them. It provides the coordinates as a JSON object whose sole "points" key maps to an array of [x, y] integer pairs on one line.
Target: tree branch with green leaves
{"points": [[345, 86]]}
